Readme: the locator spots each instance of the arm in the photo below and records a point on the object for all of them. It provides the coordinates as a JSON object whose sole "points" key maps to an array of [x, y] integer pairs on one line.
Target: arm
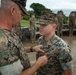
{"points": [[66, 60], [30, 71], [68, 72], [29, 25], [34, 49]]}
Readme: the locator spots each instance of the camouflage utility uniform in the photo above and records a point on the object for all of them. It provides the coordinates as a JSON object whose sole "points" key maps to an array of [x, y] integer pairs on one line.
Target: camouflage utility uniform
{"points": [[60, 24], [12, 50], [59, 57], [32, 22], [72, 18]]}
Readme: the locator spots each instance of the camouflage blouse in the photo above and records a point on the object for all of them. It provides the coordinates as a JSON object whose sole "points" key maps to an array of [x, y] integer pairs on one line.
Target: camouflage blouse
{"points": [[32, 22], [11, 49], [59, 57]]}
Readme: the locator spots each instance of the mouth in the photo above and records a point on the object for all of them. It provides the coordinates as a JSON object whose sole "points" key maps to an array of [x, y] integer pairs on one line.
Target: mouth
{"points": [[40, 30]]}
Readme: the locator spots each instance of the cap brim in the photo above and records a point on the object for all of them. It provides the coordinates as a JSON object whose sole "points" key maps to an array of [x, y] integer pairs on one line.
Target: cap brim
{"points": [[43, 22], [23, 9]]}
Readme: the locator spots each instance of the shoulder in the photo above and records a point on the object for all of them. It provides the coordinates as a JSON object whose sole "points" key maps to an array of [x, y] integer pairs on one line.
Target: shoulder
{"points": [[30, 19], [60, 40], [61, 44], [63, 47], [2, 35], [40, 39], [3, 40]]}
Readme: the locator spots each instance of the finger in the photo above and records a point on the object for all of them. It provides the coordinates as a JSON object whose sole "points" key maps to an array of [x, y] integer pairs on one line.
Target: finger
{"points": [[41, 50], [41, 46]]}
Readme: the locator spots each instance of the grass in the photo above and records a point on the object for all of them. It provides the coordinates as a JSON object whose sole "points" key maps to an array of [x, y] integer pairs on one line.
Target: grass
{"points": [[25, 23]]}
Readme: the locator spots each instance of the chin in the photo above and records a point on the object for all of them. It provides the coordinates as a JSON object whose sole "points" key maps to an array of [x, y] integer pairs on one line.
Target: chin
{"points": [[41, 34]]}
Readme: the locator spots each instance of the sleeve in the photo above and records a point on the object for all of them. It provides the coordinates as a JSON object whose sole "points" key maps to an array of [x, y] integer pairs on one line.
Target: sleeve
{"points": [[3, 50], [29, 21], [23, 56], [65, 58]]}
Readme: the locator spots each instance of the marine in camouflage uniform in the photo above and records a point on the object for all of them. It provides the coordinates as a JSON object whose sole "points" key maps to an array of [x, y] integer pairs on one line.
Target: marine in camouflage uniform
{"points": [[72, 18], [57, 51], [13, 57], [11, 49], [60, 23], [32, 28]]}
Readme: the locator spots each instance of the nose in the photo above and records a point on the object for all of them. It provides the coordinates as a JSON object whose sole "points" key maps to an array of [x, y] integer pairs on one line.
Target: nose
{"points": [[21, 12], [41, 27]]}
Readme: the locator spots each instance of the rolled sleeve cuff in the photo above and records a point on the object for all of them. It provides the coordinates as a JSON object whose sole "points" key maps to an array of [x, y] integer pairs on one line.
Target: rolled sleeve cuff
{"points": [[66, 66]]}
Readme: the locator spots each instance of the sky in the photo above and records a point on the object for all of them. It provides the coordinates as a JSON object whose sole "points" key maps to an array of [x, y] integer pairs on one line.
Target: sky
{"points": [[66, 5], [0, 3]]}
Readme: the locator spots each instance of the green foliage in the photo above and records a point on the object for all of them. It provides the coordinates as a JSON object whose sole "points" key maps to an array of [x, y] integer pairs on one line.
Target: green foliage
{"points": [[48, 10], [65, 19], [24, 22], [25, 17], [31, 12], [38, 8]]}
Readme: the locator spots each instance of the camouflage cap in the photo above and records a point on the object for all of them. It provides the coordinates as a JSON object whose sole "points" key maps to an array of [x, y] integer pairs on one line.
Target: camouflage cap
{"points": [[47, 18], [21, 4]]}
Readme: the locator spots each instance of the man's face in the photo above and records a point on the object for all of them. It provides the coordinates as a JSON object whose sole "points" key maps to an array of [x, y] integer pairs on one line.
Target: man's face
{"points": [[46, 29], [33, 16], [17, 15], [73, 14]]}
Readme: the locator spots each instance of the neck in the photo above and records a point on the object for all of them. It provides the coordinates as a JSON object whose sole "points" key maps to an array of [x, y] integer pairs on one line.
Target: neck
{"points": [[5, 23], [49, 36]]}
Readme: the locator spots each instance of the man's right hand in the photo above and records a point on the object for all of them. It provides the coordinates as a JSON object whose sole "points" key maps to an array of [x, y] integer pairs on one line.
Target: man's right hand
{"points": [[42, 60]]}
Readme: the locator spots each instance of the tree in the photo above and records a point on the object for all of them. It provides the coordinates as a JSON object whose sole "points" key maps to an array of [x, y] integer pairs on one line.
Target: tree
{"points": [[38, 8], [65, 21]]}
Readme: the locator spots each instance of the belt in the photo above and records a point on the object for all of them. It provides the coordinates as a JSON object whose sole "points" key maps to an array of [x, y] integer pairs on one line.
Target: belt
{"points": [[12, 69], [11, 62]]}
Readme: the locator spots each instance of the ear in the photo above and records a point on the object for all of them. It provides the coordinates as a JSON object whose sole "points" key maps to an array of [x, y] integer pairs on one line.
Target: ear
{"points": [[12, 10], [54, 26]]}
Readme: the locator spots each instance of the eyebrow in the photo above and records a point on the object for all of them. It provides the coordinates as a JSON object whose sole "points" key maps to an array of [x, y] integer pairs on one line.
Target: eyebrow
{"points": [[43, 24]]}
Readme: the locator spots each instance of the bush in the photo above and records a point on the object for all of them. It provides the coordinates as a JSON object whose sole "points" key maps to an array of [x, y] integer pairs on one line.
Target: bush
{"points": [[26, 17]]}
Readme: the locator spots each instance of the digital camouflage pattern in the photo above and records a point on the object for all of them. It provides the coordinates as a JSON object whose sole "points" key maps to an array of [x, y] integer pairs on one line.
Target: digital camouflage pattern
{"points": [[59, 57], [11, 49], [32, 22], [72, 19], [47, 18], [60, 23]]}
